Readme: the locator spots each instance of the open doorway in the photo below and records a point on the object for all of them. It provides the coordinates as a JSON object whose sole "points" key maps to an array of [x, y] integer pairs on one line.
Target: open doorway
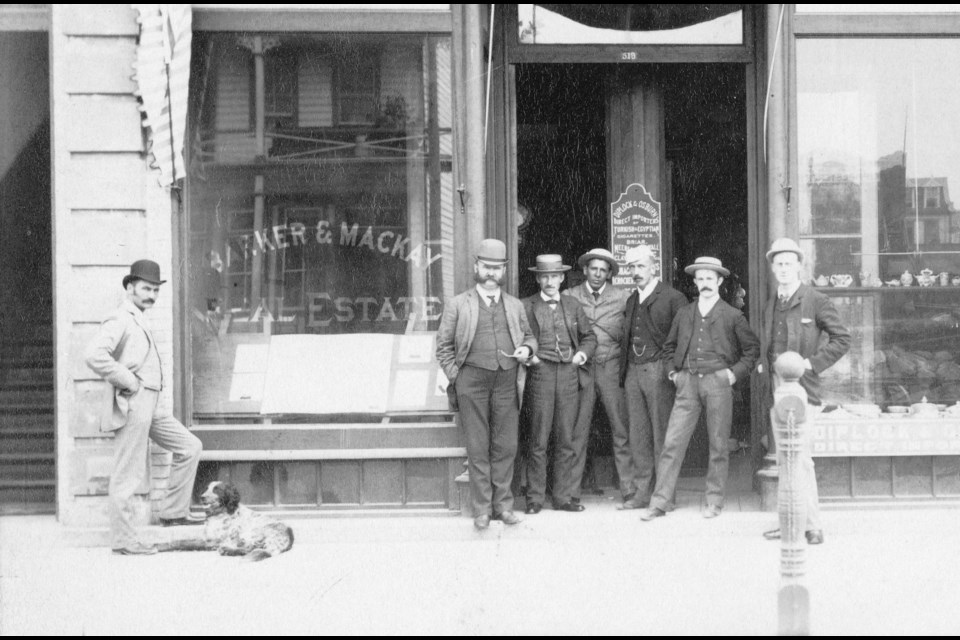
{"points": [[27, 452], [563, 165]]}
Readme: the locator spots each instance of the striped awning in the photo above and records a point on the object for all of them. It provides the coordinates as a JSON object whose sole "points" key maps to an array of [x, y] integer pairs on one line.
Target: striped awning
{"points": [[162, 74]]}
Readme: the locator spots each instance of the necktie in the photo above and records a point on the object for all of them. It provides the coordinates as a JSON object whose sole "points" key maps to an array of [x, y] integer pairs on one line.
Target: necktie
{"points": [[552, 303], [596, 295], [783, 299], [493, 301]]}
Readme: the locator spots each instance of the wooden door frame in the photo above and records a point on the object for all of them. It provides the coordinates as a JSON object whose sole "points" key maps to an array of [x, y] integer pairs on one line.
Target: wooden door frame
{"points": [[502, 171]]}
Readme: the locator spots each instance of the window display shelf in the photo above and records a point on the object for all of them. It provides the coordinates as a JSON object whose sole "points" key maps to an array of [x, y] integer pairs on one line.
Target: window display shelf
{"points": [[905, 346]]}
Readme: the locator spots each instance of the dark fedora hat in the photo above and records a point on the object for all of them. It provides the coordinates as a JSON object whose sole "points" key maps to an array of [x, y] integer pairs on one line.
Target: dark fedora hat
{"points": [[550, 263], [147, 270], [706, 262]]}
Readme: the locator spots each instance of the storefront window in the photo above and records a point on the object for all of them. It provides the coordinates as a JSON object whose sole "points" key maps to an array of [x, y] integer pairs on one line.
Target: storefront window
{"points": [[320, 222], [877, 137]]}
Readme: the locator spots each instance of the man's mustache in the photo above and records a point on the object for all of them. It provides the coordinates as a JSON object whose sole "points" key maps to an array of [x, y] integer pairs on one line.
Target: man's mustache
{"points": [[706, 289]]}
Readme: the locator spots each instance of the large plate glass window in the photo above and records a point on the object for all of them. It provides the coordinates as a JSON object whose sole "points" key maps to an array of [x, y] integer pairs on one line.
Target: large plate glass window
{"points": [[878, 134], [320, 222]]}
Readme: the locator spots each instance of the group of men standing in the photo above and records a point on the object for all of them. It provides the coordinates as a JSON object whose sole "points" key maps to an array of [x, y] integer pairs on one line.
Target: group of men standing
{"points": [[654, 360]]}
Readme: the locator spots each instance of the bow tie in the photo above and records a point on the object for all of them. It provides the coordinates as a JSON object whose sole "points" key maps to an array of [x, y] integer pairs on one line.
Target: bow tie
{"points": [[552, 302]]}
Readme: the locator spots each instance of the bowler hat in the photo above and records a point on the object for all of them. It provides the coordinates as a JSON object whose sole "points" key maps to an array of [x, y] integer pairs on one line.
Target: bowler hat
{"points": [[143, 270], [781, 245], [493, 251], [706, 262], [550, 263], [600, 254]]}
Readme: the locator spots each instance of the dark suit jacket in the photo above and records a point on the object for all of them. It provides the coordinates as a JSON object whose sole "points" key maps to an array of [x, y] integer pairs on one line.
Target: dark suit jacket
{"points": [[661, 308], [578, 324], [735, 342], [814, 331]]}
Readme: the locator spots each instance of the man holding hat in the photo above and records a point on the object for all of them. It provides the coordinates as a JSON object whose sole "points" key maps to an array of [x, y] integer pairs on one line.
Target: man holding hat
{"points": [[483, 337], [650, 311], [603, 304], [709, 348], [565, 342], [801, 319], [124, 353]]}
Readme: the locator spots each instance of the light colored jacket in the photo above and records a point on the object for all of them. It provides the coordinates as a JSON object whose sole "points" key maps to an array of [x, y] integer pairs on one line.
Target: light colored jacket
{"points": [[458, 326], [606, 316], [116, 354]]}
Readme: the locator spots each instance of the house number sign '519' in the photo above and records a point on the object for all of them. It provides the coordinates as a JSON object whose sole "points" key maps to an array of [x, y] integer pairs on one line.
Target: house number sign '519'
{"points": [[628, 55]]}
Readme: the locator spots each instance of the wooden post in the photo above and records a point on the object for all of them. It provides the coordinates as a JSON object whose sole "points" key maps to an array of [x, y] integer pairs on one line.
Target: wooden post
{"points": [[789, 420], [471, 177]]}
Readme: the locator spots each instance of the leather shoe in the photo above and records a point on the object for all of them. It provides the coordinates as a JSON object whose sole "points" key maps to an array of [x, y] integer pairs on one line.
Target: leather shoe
{"points": [[572, 507], [632, 503], [185, 521], [652, 513], [509, 517], [814, 536], [533, 508], [137, 549], [481, 522], [773, 534], [712, 511]]}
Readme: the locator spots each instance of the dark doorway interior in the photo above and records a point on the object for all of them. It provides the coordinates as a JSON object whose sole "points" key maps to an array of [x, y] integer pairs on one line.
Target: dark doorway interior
{"points": [[561, 160], [706, 149], [562, 183], [27, 449]]}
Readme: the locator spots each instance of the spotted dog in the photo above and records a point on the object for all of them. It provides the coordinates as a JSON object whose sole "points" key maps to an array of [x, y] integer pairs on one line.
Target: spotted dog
{"points": [[235, 530]]}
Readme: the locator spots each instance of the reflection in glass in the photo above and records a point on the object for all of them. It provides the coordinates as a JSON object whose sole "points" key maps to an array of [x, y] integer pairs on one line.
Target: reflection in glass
{"points": [[321, 196], [877, 139], [630, 23]]}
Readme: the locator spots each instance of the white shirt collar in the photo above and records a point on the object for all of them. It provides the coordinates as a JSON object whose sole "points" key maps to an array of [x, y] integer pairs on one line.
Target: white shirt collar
{"points": [[788, 290], [485, 295], [591, 291], [547, 298], [643, 294], [706, 306], [133, 309]]}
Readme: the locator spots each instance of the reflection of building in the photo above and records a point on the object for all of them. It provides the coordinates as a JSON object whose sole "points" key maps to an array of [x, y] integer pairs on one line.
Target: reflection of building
{"points": [[930, 211], [340, 164]]}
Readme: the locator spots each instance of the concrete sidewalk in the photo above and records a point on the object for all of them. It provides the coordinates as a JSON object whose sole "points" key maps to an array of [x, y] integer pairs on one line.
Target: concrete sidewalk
{"points": [[602, 571]]}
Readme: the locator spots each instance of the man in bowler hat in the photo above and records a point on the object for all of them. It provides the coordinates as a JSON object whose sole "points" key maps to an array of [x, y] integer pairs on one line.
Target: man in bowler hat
{"points": [[565, 342], [483, 339], [603, 305], [650, 311], [124, 353], [709, 348], [801, 319]]}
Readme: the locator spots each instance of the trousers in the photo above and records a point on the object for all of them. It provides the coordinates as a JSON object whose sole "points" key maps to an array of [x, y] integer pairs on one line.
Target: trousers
{"points": [[146, 420], [711, 392]]}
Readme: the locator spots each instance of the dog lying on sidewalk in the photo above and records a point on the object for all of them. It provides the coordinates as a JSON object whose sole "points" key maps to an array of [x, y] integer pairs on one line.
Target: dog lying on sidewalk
{"points": [[235, 530]]}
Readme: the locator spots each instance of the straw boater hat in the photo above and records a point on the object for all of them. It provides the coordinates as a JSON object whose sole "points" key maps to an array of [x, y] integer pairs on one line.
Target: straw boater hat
{"points": [[492, 251], [550, 263], [706, 262], [143, 270], [600, 254], [781, 245]]}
